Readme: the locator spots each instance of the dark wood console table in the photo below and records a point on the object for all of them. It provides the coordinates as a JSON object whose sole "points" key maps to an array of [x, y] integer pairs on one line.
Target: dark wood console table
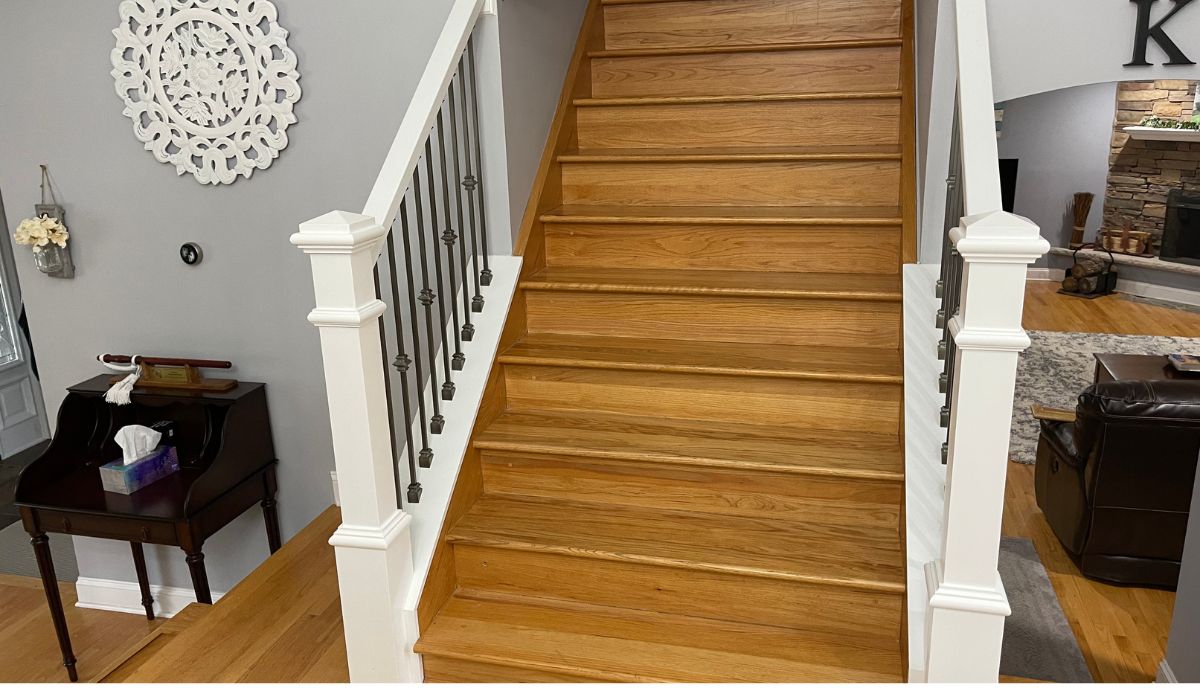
{"points": [[227, 464]]}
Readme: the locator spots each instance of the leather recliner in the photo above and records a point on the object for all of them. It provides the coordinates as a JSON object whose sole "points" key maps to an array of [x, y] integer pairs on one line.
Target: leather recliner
{"points": [[1116, 485]]}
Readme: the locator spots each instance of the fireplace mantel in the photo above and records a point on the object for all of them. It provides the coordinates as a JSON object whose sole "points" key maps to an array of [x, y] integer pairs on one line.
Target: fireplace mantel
{"points": [[1147, 133], [1134, 261]]}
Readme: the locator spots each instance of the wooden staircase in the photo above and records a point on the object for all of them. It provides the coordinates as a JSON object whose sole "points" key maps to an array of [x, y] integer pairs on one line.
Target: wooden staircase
{"points": [[688, 462]]}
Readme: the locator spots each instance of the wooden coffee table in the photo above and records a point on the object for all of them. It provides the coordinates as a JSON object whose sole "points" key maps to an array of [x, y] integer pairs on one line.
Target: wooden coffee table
{"points": [[1116, 368]]}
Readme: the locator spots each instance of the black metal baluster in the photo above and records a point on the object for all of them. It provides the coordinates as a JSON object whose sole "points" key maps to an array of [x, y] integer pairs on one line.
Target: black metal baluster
{"points": [[449, 236], [387, 391], [425, 458], [468, 329], [468, 183], [402, 364], [426, 298], [485, 277], [448, 385]]}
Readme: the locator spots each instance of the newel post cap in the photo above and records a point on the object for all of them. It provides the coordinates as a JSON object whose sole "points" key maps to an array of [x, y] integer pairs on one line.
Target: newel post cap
{"points": [[337, 232], [999, 237]]}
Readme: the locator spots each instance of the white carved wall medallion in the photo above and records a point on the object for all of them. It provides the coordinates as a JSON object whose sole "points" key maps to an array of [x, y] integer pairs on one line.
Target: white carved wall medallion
{"points": [[209, 84]]}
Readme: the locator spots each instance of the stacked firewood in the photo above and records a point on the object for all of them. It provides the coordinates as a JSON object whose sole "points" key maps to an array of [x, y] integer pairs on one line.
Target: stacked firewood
{"points": [[1086, 276]]}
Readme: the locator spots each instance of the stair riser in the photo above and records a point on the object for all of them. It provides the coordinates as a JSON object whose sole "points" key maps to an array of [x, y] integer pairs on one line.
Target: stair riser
{"points": [[714, 595], [837, 249], [869, 69], [842, 183], [787, 496], [821, 322], [742, 124], [792, 403], [745, 22], [441, 669]]}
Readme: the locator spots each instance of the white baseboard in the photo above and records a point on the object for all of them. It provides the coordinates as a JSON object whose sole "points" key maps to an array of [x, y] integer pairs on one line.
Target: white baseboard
{"points": [[126, 597], [1165, 674], [1131, 287]]}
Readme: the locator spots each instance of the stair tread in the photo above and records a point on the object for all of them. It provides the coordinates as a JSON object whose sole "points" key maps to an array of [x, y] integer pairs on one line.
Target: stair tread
{"points": [[795, 285], [612, 644], [740, 154], [853, 454], [582, 213], [745, 48], [860, 556], [744, 359], [717, 99]]}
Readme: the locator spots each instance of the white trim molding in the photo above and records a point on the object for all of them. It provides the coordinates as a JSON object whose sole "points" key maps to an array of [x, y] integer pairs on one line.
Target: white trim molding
{"points": [[126, 597], [1165, 674]]}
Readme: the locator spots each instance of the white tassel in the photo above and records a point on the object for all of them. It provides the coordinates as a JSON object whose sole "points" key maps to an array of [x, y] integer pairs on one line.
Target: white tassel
{"points": [[119, 393]]}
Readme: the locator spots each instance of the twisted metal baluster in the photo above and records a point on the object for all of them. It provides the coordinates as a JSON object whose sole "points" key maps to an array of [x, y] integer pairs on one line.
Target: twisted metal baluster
{"points": [[425, 458], [426, 298], [448, 385], [387, 390], [468, 183], [402, 364], [468, 329], [485, 277], [449, 237]]}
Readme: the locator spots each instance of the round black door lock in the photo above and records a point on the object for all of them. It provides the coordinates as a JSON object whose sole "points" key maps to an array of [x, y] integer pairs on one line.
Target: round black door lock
{"points": [[191, 253]]}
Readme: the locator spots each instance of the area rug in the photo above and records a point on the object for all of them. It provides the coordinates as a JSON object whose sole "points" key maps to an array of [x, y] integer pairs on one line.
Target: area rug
{"points": [[16, 554], [1059, 366], [1038, 641]]}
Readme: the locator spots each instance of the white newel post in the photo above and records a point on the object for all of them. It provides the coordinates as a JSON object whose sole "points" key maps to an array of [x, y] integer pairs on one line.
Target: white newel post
{"points": [[373, 544], [967, 605]]}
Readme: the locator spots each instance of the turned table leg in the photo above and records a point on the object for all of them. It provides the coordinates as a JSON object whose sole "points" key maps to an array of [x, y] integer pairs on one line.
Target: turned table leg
{"points": [[139, 565], [195, 562], [271, 516], [41, 550]]}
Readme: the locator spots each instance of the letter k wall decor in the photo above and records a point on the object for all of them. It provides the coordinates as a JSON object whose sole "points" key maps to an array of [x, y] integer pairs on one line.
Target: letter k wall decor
{"points": [[209, 84], [1148, 29]]}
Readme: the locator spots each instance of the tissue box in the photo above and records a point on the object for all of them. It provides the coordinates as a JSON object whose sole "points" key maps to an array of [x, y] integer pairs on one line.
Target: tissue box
{"points": [[119, 477]]}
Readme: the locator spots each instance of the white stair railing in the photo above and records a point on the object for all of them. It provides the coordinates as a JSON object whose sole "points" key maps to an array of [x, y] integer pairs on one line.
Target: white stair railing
{"points": [[983, 287], [405, 373]]}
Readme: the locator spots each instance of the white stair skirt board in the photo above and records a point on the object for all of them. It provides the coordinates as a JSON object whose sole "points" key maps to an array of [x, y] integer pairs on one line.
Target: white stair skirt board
{"points": [[126, 597], [1131, 287], [925, 476], [449, 448]]}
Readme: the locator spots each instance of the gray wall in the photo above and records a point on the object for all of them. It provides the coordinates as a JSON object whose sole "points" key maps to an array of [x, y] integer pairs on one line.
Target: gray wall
{"points": [[1062, 140], [359, 62], [537, 39], [1183, 648]]}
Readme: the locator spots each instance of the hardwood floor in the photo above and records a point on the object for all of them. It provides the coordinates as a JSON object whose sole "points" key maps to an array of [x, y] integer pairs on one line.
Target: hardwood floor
{"points": [[1121, 631], [28, 648]]}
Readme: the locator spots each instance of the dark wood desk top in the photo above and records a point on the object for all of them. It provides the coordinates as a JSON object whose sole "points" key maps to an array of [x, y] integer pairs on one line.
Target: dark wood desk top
{"points": [[1117, 368], [101, 383]]}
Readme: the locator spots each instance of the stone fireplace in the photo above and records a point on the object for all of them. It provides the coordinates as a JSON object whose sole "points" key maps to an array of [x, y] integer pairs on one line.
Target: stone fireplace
{"points": [[1144, 175]]}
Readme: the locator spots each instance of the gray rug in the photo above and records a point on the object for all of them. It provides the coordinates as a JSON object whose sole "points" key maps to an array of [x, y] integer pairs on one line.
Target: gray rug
{"points": [[1038, 641], [16, 555], [1059, 366]]}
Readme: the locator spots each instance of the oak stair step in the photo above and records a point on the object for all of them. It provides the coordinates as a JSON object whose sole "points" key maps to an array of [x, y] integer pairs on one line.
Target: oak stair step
{"points": [[518, 639], [744, 48], [859, 557], [733, 155], [781, 285], [719, 215], [732, 359], [654, 100], [851, 454]]}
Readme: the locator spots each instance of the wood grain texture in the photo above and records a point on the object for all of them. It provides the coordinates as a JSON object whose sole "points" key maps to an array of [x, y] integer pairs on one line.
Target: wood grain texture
{"points": [[675, 590], [618, 645], [750, 248], [726, 215], [794, 403], [741, 22], [748, 73], [718, 284], [721, 319], [838, 183], [141, 653], [741, 124], [852, 455]]}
